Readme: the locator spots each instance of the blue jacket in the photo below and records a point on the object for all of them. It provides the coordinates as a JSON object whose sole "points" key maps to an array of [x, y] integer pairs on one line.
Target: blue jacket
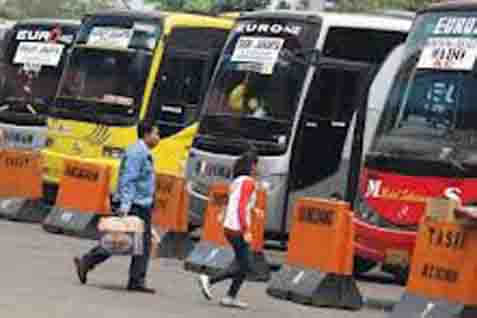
{"points": [[137, 182]]}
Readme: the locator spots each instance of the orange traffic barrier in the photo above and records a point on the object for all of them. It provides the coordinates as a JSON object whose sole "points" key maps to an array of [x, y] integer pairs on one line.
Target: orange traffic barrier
{"points": [[170, 206], [84, 187], [318, 220], [319, 262], [83, 196], [170, 217], [213, 230], [21, 174], [213, 253], [443, 275]]}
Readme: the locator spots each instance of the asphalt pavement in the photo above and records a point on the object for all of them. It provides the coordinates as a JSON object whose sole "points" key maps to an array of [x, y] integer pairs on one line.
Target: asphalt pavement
{"points": [[38, 280]]}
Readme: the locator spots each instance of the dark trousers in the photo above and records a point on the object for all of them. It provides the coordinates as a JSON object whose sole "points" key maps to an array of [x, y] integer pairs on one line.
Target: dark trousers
{"points": [[238, 271], [139, 264]]}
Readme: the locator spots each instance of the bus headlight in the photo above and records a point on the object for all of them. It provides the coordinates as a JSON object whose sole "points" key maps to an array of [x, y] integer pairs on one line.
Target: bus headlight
{"points": [[367, 214], [113, 152]]}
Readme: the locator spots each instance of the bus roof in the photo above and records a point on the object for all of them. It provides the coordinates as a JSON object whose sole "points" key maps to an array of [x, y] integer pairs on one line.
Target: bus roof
{"points": [[150, 14], [454, 5], [381, 21], [136, 14], [402, 14], [48, 22]]}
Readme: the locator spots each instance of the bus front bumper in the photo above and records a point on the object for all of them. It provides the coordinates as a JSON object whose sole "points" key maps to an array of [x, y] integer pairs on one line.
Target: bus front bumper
{"points": [[383, 245]]}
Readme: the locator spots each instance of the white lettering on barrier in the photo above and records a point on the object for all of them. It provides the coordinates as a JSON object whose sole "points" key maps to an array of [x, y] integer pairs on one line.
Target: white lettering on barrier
{"points": [[212, 254], [427, 311], [298, 277], [66, 217], [5, 204]]}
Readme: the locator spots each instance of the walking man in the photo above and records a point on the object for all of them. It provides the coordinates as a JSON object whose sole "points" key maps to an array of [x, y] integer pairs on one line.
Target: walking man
{"points": [[136, 187]]}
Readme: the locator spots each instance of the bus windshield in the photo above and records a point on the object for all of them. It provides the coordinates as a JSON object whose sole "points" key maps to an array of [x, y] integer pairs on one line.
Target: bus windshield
{"points": [[431, 113], [109, 81], [33, 58], [108, 69], [255, 91]]}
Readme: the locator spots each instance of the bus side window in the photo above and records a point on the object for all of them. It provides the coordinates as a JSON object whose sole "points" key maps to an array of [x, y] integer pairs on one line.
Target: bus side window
{"points": [[327, 113]]}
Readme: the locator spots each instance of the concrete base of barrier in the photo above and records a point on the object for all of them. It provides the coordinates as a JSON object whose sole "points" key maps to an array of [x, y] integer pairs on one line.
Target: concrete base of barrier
{"points": [[175, 245], [311, 287], [72, 223], [24, 210], [340, 291], [417, 306], [209, 258]]}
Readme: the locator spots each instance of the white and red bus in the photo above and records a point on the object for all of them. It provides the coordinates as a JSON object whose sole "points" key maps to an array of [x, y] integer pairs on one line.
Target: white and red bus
{"points": [[426, 141]]}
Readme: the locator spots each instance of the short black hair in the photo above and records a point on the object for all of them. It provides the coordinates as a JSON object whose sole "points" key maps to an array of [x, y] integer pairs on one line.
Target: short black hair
{"points": [[144, 128], [243, 165]]}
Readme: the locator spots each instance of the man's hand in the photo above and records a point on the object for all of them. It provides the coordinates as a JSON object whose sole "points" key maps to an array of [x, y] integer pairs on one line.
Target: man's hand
{"points": [[247, 237], [259, 213], [123, 211]]}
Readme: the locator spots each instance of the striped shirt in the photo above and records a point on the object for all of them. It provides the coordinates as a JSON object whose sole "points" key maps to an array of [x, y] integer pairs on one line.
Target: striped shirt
{"points": [[242, 199]]}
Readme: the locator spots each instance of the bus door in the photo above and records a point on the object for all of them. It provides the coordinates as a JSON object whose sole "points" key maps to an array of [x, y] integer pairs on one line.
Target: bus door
{"points": [[182, 82], [319, 166]]}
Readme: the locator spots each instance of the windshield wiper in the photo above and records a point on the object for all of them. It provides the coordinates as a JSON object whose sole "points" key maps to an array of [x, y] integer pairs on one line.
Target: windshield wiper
{"points": [[249, 117], [454, 163], [444, 159], [265, 118]]}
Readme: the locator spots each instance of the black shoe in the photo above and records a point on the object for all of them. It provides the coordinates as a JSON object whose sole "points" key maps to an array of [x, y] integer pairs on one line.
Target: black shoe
{"points": [[141, 289], [81, 270]]}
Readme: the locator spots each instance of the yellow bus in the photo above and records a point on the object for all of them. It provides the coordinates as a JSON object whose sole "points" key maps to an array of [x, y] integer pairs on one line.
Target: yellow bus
{"points": [[129, 66]]}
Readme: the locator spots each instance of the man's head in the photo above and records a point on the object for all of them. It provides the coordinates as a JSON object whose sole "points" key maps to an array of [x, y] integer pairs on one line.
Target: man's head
{"points": [[149, 133]]}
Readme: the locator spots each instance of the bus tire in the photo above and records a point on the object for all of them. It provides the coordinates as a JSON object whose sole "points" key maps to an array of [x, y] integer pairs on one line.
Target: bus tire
{"points": [[362, 265]]}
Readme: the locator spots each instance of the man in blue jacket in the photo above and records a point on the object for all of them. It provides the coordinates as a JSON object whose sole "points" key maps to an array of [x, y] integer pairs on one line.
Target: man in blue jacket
{"points": [[136, 187]]}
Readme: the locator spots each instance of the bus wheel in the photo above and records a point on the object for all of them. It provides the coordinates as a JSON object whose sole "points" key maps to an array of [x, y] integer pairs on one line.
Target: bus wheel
{"points": [[362, 265]]}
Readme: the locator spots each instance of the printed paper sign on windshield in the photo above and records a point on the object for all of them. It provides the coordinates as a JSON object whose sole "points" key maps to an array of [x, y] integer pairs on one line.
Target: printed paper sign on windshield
{"points": [[452, 54], [48, 54], [262, 51], [110, 37]]}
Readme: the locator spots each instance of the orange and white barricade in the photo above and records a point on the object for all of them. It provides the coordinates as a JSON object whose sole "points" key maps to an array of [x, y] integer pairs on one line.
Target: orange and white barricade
{"points": [[83, 196], [213, 253], [319, 262], [21, 186], [443, 276]]}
